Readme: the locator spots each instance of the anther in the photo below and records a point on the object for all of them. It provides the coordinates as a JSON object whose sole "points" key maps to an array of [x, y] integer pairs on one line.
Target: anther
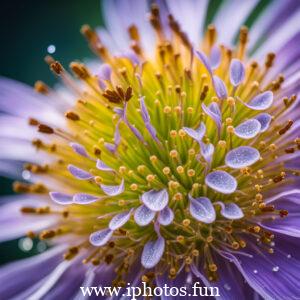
{"points": [[72, 116], [41, 87], [186, 222], [166, 170], [173, 153], [133, 186], [180, 170], [173, 133], [56, 67], [45, 129], [191, 172]]}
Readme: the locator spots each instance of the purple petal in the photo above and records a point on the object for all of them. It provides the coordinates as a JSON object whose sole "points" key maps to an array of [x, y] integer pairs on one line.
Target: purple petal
{"points": [[214, 112], [143, 215], [203, 58], [85, 198], [113, 190], [231, 211], [102, 166], [202, 209], [221, 181], [79, 173], [105, 72], [61, 198], [156, 200], [261, 102], [237, 72], [166, 216], [207, 151], [248, 129], [110, 147], [119, 220], [152, 253], [264, 119], [144, 111], [215, 57], [79, 149], [220, 87], [101, 237], [242, 157], [196, 134], [119, 111], [117, 136]]}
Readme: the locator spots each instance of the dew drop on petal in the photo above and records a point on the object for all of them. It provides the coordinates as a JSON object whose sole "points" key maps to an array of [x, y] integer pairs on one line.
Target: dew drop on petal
{"points": [[261, 102], [143, 215], [231, 211], [156, 200], [119, 220], [241, 157], [61, 198], [166, 216], [152, 253], [202, 209], [237, 72], [51, 49], [101, 237], [275, 269], [264, 119], [79, 173], [25, 244], [248, 129], [84, 198], [255, 271], [221, 181], [113, 190]]}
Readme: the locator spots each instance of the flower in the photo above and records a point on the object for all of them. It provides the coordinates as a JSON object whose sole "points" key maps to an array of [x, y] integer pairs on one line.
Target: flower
{"points": [[173, 161]]}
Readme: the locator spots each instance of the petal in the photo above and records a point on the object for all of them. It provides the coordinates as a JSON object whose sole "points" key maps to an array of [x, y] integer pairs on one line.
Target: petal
{"points": [[105, 72], [242, 157], [248, 129], [231, 211], [202, 57], [144, 111], [79, 149], [202, 209], [152, 253], [119, 220], [264, 119], [215, 57], [156, 200], [79, 173], [102, 166], [61, 198], [196, 134], [221, 181], [166, 216], [237, 72], [143, 215], [85, 198], [261, 102], [101, 237], [214, 112], [113, 190], [220, 87], [207, 151]]}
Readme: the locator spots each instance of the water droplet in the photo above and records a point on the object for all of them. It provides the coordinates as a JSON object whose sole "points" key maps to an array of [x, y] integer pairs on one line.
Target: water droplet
{"points": [[289, 256], [275, 269], [51, 49], [255, 271], [227, 287], [26, 174], [41, 246], [25, 244]]}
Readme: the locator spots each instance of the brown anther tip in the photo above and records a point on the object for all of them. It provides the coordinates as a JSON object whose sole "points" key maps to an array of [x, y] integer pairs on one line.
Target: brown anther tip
{"points": [[268, 208], [41, 87], [45, 129], [56, 67], [283, 213], [72, 116], [33, 122], [47, 234], [28, 210], [79, 70]]}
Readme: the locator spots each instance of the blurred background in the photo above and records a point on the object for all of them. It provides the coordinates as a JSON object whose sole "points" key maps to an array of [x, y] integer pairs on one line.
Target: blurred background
{"points": [[32, 29]]}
